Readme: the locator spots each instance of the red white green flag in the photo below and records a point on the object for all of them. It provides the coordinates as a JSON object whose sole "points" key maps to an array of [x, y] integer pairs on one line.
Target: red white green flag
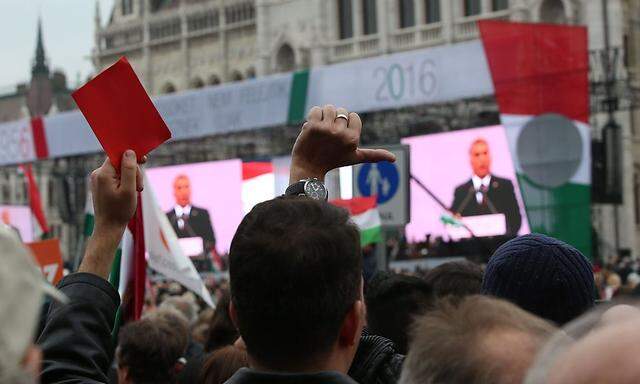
{"points": [[364, 213]]}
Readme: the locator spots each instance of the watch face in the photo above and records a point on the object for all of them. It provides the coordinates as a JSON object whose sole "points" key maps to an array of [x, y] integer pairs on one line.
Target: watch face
{"points": [[315, 190]]}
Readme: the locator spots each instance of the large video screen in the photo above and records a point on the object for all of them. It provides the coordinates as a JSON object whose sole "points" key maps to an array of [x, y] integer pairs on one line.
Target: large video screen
{"points": [[471, 173], [18, 218], [203, 202]]}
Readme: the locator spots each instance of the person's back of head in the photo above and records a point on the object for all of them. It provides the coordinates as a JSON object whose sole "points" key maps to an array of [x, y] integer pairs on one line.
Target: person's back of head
{"points": [[542, 275], [478, 340], [456, 279], [392, 303], [149, 351], [222, 364], [222, 331], [296, 285], [188, 308]]}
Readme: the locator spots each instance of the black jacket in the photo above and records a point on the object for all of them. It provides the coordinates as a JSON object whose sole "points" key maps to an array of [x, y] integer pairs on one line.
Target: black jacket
{"points": [[501, 198], [250, 376], [76, 338], [376, 361], [197, 225]]}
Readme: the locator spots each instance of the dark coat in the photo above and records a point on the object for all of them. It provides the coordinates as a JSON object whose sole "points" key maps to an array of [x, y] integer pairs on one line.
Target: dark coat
{"points": [[198, 225], [501, 199], [76, 337]]}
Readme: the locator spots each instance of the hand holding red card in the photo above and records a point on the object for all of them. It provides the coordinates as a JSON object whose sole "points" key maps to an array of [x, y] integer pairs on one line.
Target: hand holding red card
{"points": [[121, 113]]}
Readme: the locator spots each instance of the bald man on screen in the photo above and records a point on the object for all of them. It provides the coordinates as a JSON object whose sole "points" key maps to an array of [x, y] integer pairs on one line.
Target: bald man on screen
{"points": [[188, 220], [485, 193]]}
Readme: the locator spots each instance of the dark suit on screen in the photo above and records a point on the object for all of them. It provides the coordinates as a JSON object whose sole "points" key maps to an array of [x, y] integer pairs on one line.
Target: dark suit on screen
{"points": [[197, 224], [500, 198]]}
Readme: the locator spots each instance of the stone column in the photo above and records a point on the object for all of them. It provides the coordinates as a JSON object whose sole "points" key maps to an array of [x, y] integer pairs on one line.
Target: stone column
{"points": [[263, 43]]}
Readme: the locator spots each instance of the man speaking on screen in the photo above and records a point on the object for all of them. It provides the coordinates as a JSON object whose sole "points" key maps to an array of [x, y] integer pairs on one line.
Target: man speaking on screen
{"points": [[188, 220], [486, 194]]}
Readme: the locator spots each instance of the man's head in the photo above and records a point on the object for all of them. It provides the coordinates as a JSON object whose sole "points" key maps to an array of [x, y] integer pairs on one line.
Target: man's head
{"points": [[480, 158], [182, 190], [479, 341], [296, 285], [455, 279], [149, 351], [542, 275], [392, 303]]}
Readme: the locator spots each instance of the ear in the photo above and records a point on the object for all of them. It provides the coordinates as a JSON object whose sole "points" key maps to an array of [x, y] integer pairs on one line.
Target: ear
{"points": [[352, 325]]}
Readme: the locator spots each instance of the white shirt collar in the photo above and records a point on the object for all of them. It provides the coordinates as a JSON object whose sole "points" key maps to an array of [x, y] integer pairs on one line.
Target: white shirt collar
{"points": [[477, 181], [182, 210]]}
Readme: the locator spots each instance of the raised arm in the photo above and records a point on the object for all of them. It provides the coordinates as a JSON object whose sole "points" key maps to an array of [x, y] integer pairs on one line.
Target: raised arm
{"points": [[330, 138], [76, 338]]}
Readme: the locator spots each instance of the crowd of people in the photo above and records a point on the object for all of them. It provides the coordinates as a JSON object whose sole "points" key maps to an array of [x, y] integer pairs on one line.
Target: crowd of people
{"points": [[296, 308]]}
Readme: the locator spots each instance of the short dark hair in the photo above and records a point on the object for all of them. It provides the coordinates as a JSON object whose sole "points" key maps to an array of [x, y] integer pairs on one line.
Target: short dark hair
{"points": [[392, 303], [150, 348], [222, 364], [295, 270], [456, 279]]}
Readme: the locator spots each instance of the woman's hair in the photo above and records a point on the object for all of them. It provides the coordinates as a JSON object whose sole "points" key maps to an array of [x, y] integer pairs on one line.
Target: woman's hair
{"points": [[222, 364], [222, 332]]}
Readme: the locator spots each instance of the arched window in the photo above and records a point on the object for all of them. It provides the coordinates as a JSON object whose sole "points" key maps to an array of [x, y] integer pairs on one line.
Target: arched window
{"points": [[345, 19], [370, 21], [432, 11], [197, 83], [168, 88], [407, 14], [285, 59], [552, 11], [251, 73], [472, 7], [214, 80], [236, 76], [127, 7], [499, 5]]}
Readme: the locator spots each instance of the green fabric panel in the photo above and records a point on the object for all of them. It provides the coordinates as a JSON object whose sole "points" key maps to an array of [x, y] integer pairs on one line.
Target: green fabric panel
{"points": [[563, 212], [298, 100], [370, 236]]}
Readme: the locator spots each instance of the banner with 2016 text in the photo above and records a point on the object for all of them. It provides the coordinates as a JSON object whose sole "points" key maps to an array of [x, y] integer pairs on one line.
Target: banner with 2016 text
{"points": [[426, 76]]}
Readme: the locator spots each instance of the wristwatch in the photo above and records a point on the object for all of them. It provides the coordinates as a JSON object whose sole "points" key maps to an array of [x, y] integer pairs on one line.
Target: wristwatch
{"points": [[312, 188]]}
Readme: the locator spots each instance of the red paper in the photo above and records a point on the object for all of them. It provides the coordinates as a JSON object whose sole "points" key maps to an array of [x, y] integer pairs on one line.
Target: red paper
{"points": [[121, 113]]}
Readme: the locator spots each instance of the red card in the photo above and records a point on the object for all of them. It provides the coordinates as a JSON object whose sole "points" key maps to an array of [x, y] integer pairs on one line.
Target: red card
{"points": [[121, 113]]}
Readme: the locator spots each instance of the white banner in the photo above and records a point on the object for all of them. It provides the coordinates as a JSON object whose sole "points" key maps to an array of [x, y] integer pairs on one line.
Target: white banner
{"points": [[426, 76], [16, 142], [69, 134], [229, 108]]}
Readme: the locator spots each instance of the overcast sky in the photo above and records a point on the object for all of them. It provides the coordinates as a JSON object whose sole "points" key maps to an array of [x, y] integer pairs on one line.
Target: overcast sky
{"points": [[68, 36]]}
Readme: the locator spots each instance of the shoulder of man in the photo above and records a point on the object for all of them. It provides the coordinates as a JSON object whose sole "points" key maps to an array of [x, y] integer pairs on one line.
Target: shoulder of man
{"points": [[197, 211], [464, 187], [501, 182]]}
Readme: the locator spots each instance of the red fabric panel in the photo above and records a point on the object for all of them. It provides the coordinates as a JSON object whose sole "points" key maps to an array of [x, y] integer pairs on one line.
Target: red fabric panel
{"points": [[35, 203], [538, 68], [357, 205], [39, 138]]}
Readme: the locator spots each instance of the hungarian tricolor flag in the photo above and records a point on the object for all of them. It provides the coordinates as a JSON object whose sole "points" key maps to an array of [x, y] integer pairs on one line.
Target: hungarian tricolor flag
{"points": [[364, 213], [258, 183], [540, 75]]}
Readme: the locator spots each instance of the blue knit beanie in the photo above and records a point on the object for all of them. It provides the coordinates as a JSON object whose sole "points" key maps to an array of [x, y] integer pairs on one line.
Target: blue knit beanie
{"points": [[542, 275]]}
